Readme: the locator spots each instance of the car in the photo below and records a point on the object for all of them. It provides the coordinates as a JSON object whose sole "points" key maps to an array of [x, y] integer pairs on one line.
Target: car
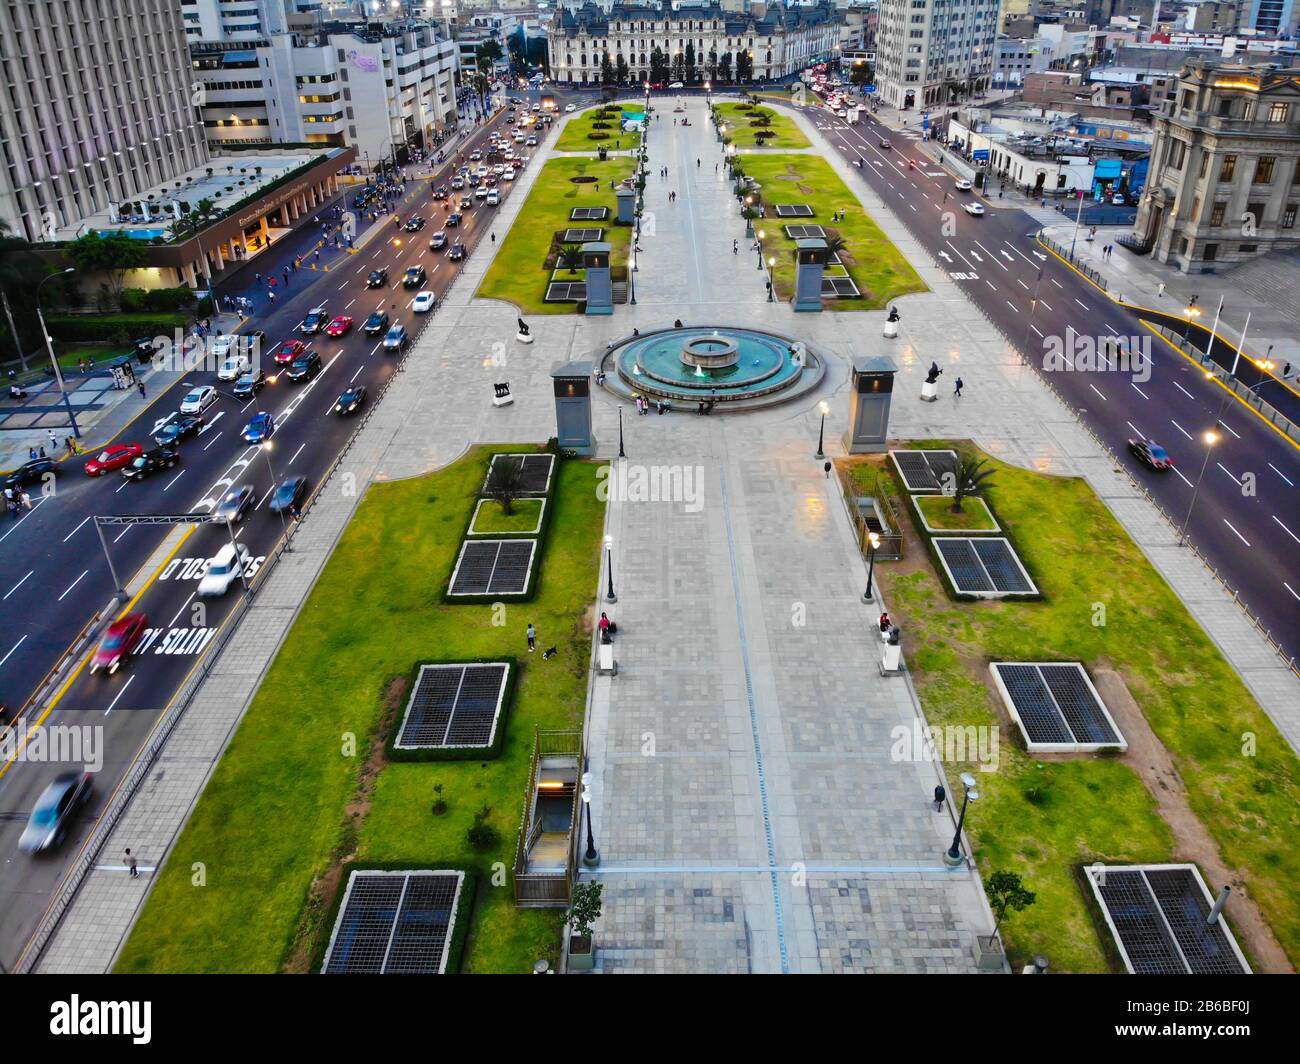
{"points": [[56, 808], [414, 224], [350, 401], [976, 210], [176, 428], [475, 155], [260, 428], [457, 252], [466, 202], [288, 493], [519, 138], [481, 192], [493, 199], [118, 641], [531, 142], [235, 504], [457, 182], [423, 303], [1150, 453], [415, 277], [288, 351], [161, 457], [962, 185], [537, 107], [304, 367], [340, 326], [377, 279], [234, 367], [569, 107], [114, 457], [438, 241], [441, 192], [249, 384], [481, 172], [498, 170], [252, 342], [676, 85], [376, 323], [223, 569], [315, 321], [1119, 199], [453, 220], [395, 339], [198, 399], [885, 144], [219, 346]]}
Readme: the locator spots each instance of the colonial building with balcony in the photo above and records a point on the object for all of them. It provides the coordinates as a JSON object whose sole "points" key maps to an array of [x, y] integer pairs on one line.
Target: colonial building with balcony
{"points": [[1224, 184], [689, 43]]}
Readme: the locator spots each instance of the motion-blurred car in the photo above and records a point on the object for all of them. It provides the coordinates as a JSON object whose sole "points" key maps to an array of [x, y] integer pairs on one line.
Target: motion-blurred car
{"points": [[415, 276], [234, 367], [1150, 453], [304, 367], [350, 401], [377, 279], [249, 384], [315, 321], [884, 143], [150, 462], [235, 504], [198, 399], [441, 192], [962, 185], [438, 241], [114, 457], [260, 429], [456, 253], [976, 210], [288, 351], [415, 224], [224, 569], [569, 107], [288, 493], [120, 639], [453, 220], [340, 326], [376, 323], [423, 303], [176, 428], [54, 811]]}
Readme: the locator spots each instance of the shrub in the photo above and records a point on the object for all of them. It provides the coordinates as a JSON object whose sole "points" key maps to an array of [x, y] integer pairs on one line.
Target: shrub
{"points": [[598, 136], [481, 835], [110, 328]]}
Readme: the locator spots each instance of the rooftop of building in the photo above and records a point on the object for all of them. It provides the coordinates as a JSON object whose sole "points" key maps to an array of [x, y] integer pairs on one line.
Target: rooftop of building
{"points": [[771, 17]]}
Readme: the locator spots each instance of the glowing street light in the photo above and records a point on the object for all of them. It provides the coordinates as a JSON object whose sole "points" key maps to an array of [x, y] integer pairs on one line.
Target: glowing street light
{"points": [[825, 409]]}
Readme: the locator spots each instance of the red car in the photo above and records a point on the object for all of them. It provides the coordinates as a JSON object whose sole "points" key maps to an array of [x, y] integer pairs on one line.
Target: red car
{"points": [[340, 326], [288, 351], [120, 639], [115, 457]]}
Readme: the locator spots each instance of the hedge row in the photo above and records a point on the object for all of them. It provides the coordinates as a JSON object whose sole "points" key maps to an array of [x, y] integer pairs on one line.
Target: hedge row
{"points": [[113, 328], [140, 300]]}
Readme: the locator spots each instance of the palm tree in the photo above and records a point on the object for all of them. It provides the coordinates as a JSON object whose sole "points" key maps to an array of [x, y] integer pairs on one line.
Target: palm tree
{"points": [[569, 257], [836, 244], [505, 482], [970, 478]]}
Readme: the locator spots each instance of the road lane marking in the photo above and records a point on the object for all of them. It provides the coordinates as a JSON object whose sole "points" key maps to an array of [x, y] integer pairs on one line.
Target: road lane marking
{"points": [[87, 518], [1180, 428], [295, 454], [1286, 530], [174, 479], [1236, 533], [1231, 429], [213, 440], [1082, 303], [1094, 388], [12, 649], [1280, 473], [1184, 479], [357, 374], [72, 585], [17, 586], [119, 694], [1141, 435], [182, 609], [1235, 479], [1184, 390], [1284, 584], [123, 532], [1138, 390]]}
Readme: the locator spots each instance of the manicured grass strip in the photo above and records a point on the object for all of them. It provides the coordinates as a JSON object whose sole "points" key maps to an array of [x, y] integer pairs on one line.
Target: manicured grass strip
{"points": [[274, 815], [744, 134], [877, 267], [937, 510], [1105, 606], [491, 518], [575, 136], [518, 274]]}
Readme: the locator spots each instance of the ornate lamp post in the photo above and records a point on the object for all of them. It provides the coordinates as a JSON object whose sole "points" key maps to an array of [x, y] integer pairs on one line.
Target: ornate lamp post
{"points": [[609, 566], [821, 433], [953, 856]]}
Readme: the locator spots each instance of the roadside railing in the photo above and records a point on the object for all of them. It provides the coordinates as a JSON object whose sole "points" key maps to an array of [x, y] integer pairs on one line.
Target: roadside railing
{"points": [[1074, 261]]}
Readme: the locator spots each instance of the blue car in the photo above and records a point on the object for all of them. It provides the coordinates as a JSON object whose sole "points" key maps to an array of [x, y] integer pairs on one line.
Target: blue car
{"points": [[260, 429]]}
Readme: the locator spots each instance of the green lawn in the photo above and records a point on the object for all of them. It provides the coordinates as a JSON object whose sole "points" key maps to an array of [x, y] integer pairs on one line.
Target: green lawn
{"points": [[282, 805], [518, 273], [974, 516], [1044, 818], [492, 519], [737, 118], [575, 136], [877, 267]]}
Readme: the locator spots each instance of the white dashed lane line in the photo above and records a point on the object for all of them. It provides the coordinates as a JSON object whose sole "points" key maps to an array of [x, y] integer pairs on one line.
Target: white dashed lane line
{"points": [[20, 584], [1180, 428], [1094, 388], [1236, 533], [1285, 529], [72, 585], [1270, 465]]}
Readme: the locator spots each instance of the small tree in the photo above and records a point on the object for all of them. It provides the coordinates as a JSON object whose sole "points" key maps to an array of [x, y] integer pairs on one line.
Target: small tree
{"points": [[481, 835], [585, 909], [569, 257], [971, 478], [505, 483], [439, 803], [1006, 894], [835, 244]]}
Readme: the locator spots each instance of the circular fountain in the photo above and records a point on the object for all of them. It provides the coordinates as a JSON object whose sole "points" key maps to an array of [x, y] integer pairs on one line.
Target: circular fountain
{"points": [[738, 367]]}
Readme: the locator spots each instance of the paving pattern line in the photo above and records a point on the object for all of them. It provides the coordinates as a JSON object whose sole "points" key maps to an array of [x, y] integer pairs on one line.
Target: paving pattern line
{"points": [[753, 723], [812, 869]]}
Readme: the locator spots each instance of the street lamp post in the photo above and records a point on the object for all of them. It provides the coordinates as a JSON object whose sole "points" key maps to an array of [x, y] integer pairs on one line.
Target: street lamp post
{"points": [[953, 856], [592, 857], [1189, 312], [758, 247], [1211, 438], [49, 347], [621, 452], [873, 540], [771, 264], [609, 568], [821, 432]]}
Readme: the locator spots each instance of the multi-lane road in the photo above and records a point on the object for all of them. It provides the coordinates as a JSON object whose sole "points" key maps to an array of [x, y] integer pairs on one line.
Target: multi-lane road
{"points": [[53, 575], [1245, 519]]}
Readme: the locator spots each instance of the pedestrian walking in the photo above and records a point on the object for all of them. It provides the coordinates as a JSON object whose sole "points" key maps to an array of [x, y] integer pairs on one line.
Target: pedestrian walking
{"points": [[139, 385], [271, 297], [697, 164], [494, 238], [735, 247], [1160, 289], [294, 512], [31, 454], [25, 499], [54, 440], [70, 444], [957, 393], [257, 277], [132, 870], [939, 795], [531, 632]]}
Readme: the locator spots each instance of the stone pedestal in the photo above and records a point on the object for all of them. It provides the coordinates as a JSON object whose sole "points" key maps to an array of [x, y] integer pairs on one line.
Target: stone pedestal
{"points": [[595, 260], [605, 663], [523, 338], [893, 658], [891, 330], [929, 392], [869, 401], [811, 254]]}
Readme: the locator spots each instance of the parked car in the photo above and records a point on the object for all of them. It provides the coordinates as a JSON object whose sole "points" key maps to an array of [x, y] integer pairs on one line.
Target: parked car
{"points": [[56, 808], [118, 641], [288, 493], [260, 428], [1150, 453], [235, 504], [339, 327], [198, 399], [223, 569], [350, 401], [114, 457], [176, 428], [249, 384], [376, 323], [377, 279], [395, 339], [304, 367], [423, 303], [161, 457]]}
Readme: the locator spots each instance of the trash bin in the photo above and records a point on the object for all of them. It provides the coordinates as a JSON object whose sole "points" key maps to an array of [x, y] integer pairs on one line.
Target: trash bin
{"points": [[603, 154]]}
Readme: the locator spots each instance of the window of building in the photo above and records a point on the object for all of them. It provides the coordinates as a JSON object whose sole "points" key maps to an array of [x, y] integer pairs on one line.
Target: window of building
{"points": [[1288, 216], [1264, 169], [1248, 249], [1205, 164], [1256, 212], [1211, 252], [1217, 212], [1228, 168], [1277, 112]]}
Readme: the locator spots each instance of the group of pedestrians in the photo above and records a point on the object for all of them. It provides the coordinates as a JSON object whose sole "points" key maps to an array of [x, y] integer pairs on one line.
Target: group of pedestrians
{"points": [[17, 500]]}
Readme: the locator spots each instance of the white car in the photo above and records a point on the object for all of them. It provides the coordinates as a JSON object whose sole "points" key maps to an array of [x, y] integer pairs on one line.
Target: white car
{"points": [[676, 85], [509, 175], [976, 209], [493, 199], [569, 107], [531, 142], [198, 400], [481, 192], [519, 138], [219, 346], [423, 303], [224, 569], [962, 185], [234, 367]]}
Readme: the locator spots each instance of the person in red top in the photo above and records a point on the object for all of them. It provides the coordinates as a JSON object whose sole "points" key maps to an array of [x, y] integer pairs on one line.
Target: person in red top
{"points": [[605, 625]]}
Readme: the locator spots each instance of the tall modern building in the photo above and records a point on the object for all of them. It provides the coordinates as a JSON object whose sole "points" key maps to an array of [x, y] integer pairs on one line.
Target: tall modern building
{"points": [[95, 107], [933, 52], [1272, 18]]}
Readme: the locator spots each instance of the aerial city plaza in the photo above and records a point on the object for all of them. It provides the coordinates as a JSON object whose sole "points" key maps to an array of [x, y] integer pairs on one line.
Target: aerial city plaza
{"points": [[602, 488]]}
